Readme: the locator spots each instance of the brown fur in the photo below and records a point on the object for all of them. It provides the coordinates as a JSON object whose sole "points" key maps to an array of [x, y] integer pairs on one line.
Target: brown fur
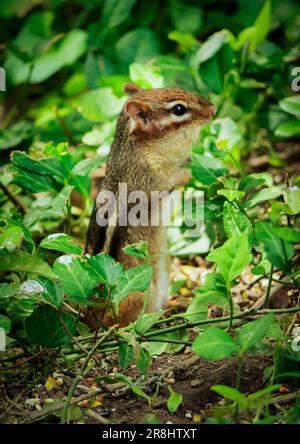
{"points": [[148, 153]]}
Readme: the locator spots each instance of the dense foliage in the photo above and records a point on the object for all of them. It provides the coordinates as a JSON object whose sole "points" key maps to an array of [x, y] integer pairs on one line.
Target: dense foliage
{"points": [[65, 65]]}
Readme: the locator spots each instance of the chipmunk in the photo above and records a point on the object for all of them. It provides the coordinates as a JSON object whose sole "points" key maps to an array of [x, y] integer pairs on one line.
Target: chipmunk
{"points": [[154, 135]]}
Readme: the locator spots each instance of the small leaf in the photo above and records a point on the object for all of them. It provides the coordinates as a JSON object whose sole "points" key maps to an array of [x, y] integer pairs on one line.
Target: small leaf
{"points": [[125, 354], [232, 257], [143, 360], [5, 323], [214, 344], [145, 322], [104, 269], [61, 242], [236, 222], [264, 194], [24, 262], [134, 279], [288, 129], [291, 105], [231, 194], [174, 401], [230, 393], [253, 332], [139, 250], [74, 278], [279, 252]]}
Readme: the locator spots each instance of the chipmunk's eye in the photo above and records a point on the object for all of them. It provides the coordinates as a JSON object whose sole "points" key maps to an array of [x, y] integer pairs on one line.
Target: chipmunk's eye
{"points": [[178, 109]]}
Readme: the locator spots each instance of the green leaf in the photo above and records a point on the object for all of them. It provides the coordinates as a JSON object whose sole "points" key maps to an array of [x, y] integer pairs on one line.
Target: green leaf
{"points": [[136, 47], [292, 198], [61, 242], [291, 105], [69, 48], [210, 47], [288, 129], [207, 169], [139, 249], [85, 166], [236, 222], [36, 183], [146, 76], [134, 279], [43, 327], [5, 323], [214, 344], [279, 252], [252, 180], [287, 233], [44, 167], [115, 12], [125, 354], [11, 238], [232, 257], [100, 105], [253, 332], [74, 278], [231, 194], [262, 23], [174, 400], [104, 269], [24, 262], [185, 17], [260, 393], [143, 360], [146, 321], [264, 194], [230, 393]]}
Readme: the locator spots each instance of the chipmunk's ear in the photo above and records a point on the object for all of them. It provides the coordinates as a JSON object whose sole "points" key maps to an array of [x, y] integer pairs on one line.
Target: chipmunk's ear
{"points": [[139, 113], [130, 88]]}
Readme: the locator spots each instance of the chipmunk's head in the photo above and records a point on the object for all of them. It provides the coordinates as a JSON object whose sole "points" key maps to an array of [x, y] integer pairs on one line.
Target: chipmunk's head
{"points": [[155, 113]]}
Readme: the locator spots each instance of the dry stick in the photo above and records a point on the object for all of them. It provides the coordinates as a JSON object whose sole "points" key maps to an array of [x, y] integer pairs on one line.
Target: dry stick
{"points": [[58, 406], [80, 374], [13, 199]]}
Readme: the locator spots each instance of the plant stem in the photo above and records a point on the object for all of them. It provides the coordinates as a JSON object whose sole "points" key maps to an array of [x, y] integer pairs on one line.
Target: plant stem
{"points": [[231, 309], [266, 303]]}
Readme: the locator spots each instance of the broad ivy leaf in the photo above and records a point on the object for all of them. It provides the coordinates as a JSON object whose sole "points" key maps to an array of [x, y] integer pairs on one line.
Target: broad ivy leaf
{"points": [[43, 327]]}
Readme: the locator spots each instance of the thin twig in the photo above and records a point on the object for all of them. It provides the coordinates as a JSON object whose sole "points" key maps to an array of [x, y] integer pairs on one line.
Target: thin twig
{"points": [[13, 199], [64, 418]]}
